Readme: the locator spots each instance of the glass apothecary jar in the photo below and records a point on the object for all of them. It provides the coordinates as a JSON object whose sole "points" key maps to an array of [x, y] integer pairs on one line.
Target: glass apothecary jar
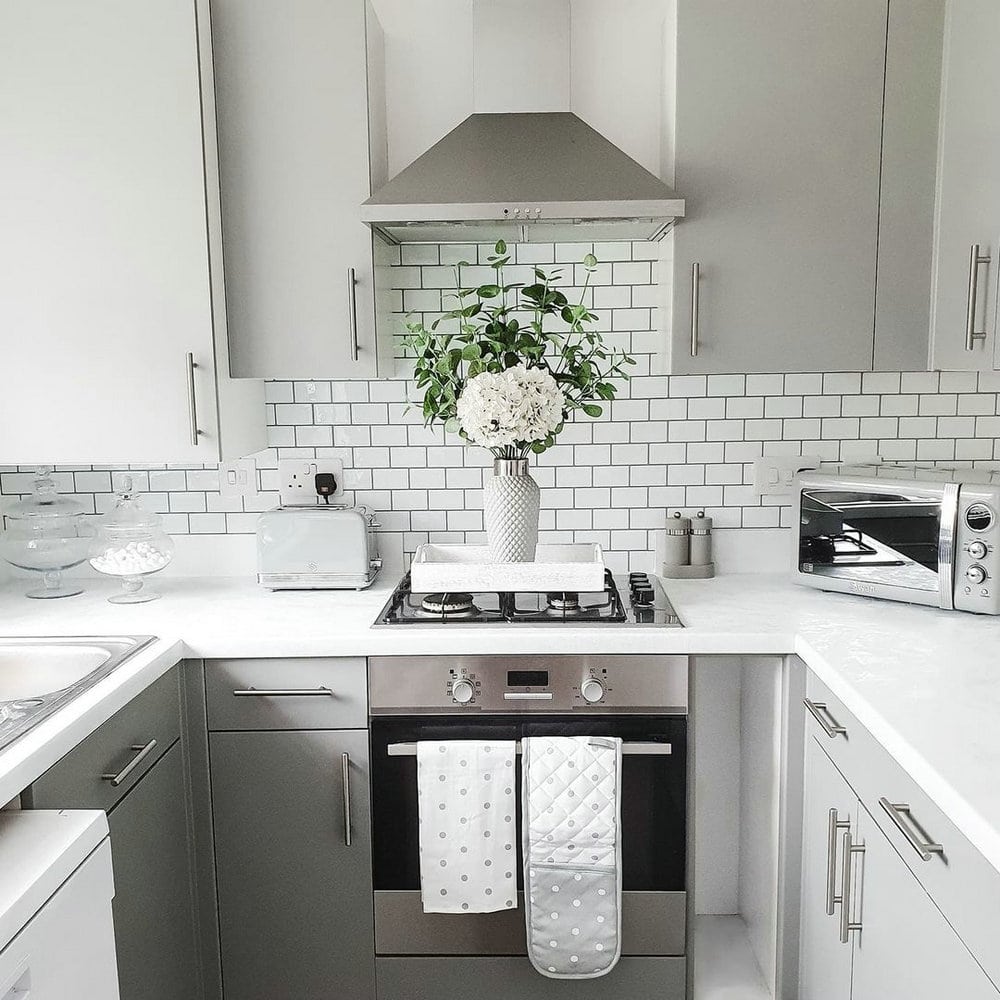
{"points": [[48, 534], [131, 544]]}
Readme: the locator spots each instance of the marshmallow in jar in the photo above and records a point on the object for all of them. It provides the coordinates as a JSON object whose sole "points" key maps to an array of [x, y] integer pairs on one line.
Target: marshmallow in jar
{"points": [[131, 544]]}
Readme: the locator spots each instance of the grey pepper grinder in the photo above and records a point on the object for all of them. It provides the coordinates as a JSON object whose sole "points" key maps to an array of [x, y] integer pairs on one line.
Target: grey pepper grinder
{"points": [[676, 550], [700, 546]]}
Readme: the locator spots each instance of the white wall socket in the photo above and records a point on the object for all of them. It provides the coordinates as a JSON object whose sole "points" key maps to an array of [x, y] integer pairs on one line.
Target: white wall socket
{"points": [[773, 474], [297, 480]]}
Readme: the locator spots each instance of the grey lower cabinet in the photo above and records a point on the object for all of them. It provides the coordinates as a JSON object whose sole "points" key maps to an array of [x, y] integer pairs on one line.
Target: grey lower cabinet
{"points": [[133, 767], [293, 863]]}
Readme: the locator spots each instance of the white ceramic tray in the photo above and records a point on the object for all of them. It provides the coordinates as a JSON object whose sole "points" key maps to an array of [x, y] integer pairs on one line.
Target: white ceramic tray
{"points": [[576, 567]]}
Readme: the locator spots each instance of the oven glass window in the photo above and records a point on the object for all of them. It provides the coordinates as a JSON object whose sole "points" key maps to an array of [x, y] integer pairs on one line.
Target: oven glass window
{"points": [[874, 537], [653, 800]]}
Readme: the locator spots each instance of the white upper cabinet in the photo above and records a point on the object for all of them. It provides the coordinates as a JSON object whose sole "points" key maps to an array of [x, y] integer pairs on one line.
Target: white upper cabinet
{"points": [[967, 252], [780, 152], [112, 331], [297, 160]]}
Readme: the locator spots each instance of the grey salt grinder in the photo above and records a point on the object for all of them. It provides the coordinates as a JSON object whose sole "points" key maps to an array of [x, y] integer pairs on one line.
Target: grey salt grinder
{"points": [[701, 540], [676, 550]]}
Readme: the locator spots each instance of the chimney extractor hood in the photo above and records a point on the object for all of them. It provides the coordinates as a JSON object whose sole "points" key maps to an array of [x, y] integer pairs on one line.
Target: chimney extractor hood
{"points": [[530, 177]]}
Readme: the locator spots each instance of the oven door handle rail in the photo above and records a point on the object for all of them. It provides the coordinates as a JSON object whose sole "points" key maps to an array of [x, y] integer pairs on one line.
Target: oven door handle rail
{"points": [[629, 749]]}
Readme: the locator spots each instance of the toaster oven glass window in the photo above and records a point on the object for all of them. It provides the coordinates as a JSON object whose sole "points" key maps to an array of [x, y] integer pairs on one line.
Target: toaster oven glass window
{"points": [[881, 537]]}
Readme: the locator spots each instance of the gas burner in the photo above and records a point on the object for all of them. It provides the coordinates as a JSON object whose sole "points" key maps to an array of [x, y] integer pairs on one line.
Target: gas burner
{"points": [[448, 605], [566, 603]]}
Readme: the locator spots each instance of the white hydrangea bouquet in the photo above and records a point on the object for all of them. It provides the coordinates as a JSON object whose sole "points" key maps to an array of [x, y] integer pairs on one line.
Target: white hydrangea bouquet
{"points": [[504, 381]]}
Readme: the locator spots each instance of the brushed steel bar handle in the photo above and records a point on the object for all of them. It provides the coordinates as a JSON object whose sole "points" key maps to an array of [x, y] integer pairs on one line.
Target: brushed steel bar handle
{"points": [[976, 258], [846, 924], [527, 696], [829, 725], [834, 828], [352, 307], [695, 306], [899, 813], [142, 752], [189, 366], [252, 692], [628, 749], [345, 761]]}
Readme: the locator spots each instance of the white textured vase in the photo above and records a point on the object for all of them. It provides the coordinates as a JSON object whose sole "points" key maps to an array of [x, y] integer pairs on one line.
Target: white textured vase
{"points": [[510, 506]]}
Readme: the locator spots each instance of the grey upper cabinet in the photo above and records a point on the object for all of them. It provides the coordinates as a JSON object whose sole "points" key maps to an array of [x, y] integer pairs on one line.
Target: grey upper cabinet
{"points": [[780, 155], [964, 327], [111, 299], [293, 858], [297, 159]]}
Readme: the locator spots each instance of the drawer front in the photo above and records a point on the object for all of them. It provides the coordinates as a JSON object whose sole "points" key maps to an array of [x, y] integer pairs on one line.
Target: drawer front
{"points": [[315, 693], [109, 762], [963, 884]]}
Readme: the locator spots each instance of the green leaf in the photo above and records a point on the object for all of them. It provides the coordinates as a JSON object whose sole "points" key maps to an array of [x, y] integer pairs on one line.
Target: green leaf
{"points": [[471, 352], [452, 425], [500, 247], [592, 409], [488, 291], [590, 262], [538, 447]]}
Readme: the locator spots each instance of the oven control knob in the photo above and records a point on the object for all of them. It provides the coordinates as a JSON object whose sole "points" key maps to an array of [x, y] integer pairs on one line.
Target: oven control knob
{"points": [[462, 691], [977, 550], [975, 574], [592, 690]]}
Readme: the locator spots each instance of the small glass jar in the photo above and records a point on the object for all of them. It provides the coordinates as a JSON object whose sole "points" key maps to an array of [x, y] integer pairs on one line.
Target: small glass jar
{"points": [[47, 533], [131, 544]]}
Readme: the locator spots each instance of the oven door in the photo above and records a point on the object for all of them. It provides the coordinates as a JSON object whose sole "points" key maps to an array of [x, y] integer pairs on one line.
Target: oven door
{"points": [[653, 835], [883, 538]]}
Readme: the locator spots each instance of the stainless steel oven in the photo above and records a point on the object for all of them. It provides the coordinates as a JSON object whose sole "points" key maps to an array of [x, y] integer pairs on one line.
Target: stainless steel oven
{"points": [[886, 532], [643, 700]]}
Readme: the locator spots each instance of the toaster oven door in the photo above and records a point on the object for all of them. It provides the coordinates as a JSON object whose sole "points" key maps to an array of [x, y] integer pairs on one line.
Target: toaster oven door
{"points": [[886, 539]]}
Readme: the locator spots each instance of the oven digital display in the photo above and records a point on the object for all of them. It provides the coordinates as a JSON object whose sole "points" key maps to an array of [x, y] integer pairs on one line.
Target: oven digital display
{"points": [[527, 678]]}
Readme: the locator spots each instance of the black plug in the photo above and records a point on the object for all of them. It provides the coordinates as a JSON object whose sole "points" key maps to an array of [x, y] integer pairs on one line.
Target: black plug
{"points": [[326, 485]]}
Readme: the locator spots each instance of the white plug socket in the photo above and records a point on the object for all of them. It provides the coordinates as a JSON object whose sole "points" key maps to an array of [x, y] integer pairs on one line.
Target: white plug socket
{"points": [[773, 474], [297, 480]]}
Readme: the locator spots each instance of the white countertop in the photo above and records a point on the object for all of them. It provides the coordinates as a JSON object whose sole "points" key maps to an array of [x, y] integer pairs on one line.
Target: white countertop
{"points": [[925, 683]]}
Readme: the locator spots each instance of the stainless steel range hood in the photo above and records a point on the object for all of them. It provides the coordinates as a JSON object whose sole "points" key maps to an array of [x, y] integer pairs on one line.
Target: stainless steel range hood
{"points": [[529, 177]]}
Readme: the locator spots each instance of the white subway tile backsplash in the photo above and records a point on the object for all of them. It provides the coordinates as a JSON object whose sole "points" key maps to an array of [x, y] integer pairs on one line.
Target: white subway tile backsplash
{"points": [[668, 443]]}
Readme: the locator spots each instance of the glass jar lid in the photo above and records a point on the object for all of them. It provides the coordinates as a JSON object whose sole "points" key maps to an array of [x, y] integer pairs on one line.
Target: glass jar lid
{"points": [[44, 501], [128, 513]]}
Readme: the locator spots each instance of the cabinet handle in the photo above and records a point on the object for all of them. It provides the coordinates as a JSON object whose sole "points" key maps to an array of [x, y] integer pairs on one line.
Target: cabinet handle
{"points": [[142, 752], [829, 725], [836, 825], [976, 258], [902, 818], [345, 760], [189, 366], [846, 924], [695, 306], [352, 308], [252, 692]]}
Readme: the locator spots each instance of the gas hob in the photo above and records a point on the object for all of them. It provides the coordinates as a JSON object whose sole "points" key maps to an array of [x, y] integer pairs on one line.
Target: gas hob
{"points": [[636, 599]]}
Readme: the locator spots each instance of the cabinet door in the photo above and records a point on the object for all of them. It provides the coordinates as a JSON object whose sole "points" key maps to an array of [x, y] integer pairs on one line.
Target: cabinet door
{"points": [[154, 887], [968, 211], [905, 947], [295, 899], [778, 131], [830, 809], [104, 268], [292, 100]]}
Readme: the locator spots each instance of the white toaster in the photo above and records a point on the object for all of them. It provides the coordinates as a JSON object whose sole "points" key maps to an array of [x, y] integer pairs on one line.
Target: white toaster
{"points": [[325, 547]]}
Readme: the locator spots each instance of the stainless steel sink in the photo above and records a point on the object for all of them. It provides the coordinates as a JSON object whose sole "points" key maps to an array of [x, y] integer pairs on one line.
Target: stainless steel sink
{"points": [[40, 675]]}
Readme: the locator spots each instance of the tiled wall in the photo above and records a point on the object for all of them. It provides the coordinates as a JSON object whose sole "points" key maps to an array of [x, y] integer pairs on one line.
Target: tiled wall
{"points": [[683, 442]]}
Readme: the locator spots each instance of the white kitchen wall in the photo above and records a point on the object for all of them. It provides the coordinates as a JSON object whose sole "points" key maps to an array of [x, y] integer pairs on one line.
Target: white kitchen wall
{"points": [[683, 442]]}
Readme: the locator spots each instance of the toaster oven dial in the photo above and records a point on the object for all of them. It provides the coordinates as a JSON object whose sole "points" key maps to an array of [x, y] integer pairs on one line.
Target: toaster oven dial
{"points": [[462, 691], [979, 517], [977, 550], [975, 574], [592, 690]]}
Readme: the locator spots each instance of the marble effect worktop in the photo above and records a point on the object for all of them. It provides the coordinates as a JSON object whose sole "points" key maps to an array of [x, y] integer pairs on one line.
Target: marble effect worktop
{"points": [[925, 683]]}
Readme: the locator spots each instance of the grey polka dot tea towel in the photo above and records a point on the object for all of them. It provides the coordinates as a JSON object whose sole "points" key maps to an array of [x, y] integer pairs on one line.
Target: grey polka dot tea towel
{"points": [[466, 794], [572, 854]]}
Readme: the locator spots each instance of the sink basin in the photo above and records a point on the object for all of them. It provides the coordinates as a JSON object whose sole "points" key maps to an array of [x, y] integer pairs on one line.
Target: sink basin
{"points": [[40, 675]]}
